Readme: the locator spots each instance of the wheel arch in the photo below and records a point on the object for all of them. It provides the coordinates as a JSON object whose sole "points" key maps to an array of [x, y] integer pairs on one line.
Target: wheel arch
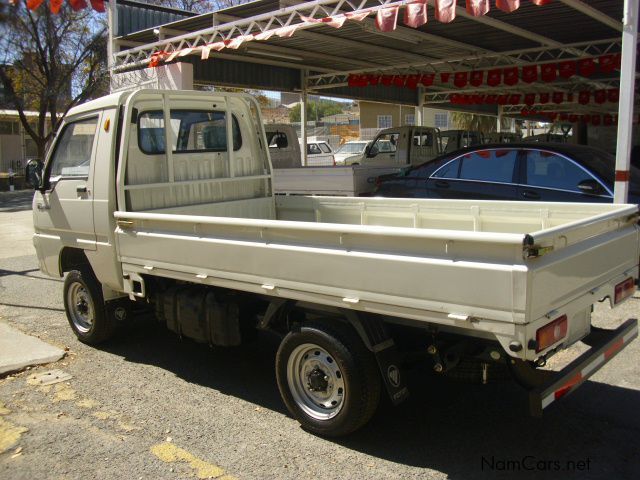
{"points": [[72, 259]]}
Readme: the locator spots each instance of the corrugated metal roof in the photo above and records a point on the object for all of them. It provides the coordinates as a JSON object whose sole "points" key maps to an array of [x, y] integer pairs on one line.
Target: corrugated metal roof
{"points": [[358, 45]]}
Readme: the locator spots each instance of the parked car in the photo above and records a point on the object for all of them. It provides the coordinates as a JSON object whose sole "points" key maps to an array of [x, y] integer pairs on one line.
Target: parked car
{"points": [[351, 152], [319, 154], [550, 172]]}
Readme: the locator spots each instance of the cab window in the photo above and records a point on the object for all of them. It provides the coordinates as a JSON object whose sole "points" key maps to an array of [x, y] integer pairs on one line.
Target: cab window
{"points": [[72, 156], [193, 131], [313, 149]]}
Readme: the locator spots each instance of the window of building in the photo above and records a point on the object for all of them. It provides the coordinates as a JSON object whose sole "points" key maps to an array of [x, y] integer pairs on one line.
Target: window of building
{"points": [[410, 119], [441, 120], [9, 128], [385, 121]]}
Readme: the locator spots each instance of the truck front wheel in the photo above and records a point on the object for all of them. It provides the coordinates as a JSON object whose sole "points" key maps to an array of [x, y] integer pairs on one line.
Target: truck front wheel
{"points": [[327, 378], [84, 305]]}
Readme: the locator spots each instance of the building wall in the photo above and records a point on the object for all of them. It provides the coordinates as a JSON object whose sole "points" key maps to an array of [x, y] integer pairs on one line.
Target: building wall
{"points": [[370, 111]]}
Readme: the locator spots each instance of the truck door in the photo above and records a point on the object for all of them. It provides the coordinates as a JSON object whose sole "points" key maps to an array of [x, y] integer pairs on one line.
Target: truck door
{"points": [[384, 149], [63, 210]]}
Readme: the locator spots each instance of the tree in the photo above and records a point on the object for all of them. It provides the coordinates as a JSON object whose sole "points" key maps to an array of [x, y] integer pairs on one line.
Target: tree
{"points": [[315, 110], [51, 63], [478, 123]]}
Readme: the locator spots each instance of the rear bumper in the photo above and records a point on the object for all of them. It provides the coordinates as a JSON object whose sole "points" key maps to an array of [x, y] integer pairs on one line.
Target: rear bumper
{"points": [[605, 344]]}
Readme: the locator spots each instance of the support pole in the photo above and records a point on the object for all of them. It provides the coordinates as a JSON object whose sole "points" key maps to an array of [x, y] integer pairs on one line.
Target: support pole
{"points": [[303, 117], [420, 109], [625, 107], [112, 22], [499, 126]]}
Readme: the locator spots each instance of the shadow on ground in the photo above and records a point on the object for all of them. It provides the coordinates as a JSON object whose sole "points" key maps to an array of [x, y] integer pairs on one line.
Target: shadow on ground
{"points": [[16, 201], [466, 431]]}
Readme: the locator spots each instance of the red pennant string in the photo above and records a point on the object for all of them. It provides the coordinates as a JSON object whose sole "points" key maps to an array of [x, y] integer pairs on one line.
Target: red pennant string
{"points": [[445, 10], [478, 8], [508, 6], [494, 77], [530, 73], [476, 78], [415, 15], [460, 79]]}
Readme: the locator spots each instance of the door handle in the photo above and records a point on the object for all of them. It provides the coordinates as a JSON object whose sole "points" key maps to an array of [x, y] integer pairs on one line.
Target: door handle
{"points": [[122, 223], [530, 195], [442, 184], [81, 189]]}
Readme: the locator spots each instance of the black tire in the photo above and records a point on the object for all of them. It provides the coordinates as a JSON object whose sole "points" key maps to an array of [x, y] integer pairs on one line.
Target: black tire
{"points": [[355, 370], [85, 308]]}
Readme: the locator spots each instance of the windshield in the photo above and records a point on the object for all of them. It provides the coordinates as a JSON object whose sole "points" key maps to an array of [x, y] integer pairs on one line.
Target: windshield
{"points": [[352, 147]]}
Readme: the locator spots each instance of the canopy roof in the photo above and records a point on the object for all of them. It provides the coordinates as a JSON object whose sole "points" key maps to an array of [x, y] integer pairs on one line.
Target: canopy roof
{"points": [[322, 58]]}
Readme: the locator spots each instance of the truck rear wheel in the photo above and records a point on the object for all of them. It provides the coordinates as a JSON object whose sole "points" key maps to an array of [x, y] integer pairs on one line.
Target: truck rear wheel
{"points": [[327, 378], [84, 305]]}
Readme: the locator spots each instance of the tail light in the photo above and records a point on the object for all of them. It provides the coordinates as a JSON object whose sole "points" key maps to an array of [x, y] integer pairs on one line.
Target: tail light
{"points": [[551, 333], [624, 289]]}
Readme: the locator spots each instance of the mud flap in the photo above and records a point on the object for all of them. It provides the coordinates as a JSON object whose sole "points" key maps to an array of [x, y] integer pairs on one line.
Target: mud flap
{"points": [[376, 338]]}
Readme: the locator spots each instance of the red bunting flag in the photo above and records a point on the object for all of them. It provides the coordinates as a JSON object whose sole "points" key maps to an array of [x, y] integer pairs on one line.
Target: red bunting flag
{"points": [[412, 81], [56, 5], [573, 118], [595, 120], [510, 75], [445, 10], [491, 99], [503, 99], [494, 77], [387, 80], [613, 95], [478, 8], [373, 79], [98, 5], [530, 99], [444, 77], [543, 98], [514, 99], [387, 19], [78, 5], [427, 79], [539, 3], [567, 68], [548, 72], [586, 67], [476, 78], [415, 14], [585, 118], [607, 120], [529, 73], [584, 97], [508, 6], [557, 97], [33, 4], [399, 80], [460, 79], [600, 96], [607, 63]]}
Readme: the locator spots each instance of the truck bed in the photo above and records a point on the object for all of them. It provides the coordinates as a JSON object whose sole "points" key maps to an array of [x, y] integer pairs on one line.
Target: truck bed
{"points": [[481, 266], [350, 180]]}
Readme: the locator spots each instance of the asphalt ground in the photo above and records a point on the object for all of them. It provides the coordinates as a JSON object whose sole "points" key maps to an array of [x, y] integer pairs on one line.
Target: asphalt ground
{"points": [[153, 406]]}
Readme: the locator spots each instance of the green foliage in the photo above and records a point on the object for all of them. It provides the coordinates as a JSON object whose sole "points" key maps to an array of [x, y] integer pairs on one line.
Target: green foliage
{"points": [[477, 123], [49, 63], [316, 110]]}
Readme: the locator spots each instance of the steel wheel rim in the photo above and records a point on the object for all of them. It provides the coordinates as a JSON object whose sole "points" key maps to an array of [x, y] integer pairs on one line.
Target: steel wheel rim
{"points": [[81, 307], [315, 381]]}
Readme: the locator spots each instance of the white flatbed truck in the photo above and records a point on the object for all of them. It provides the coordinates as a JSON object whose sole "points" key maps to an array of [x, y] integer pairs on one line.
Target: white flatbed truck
{"points": [[195, 232]]}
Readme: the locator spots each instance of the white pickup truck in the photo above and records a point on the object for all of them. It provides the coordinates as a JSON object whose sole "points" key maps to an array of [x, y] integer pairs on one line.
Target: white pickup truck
{"points": [[195, 232]]}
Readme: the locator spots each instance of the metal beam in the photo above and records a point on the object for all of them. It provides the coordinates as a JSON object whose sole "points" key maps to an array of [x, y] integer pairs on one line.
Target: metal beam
{"points": [[627, 94], [594, 13]]}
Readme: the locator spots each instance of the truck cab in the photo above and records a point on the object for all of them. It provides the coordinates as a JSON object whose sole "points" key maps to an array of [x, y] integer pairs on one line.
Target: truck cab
{"points": [[404, 146]]}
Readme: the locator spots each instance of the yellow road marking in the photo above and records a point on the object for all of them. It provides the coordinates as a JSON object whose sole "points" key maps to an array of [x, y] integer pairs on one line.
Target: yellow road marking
{"points": [[169, 453], [9, 434]]}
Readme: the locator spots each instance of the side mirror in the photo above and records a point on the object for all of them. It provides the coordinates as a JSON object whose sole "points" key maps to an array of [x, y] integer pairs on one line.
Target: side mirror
{"points": [[34, 173], [373, 151], [590, 186]]}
